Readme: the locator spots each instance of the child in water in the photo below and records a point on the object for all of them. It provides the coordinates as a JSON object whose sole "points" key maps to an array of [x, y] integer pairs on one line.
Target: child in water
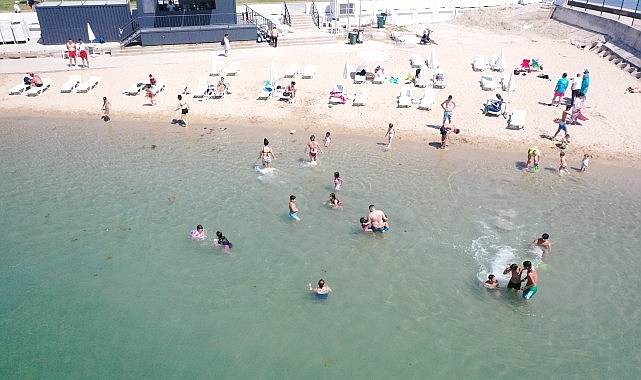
{"points": [[222, 240], [491, 282], [333, 202], [585, 162], [293, 210], [563, 164], [199, 233], [365, 226], [338, 181], [328, 139]]}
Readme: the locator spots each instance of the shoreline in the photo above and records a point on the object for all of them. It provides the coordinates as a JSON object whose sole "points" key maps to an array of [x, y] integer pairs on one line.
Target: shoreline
{"points": [[609, 135]]}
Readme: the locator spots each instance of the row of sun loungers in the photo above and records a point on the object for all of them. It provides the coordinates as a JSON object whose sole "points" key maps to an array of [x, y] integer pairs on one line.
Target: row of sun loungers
{"points": [[31, 91]]}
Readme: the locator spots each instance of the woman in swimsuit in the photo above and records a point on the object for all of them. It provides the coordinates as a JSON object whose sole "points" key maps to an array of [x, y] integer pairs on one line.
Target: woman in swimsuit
{"points": [[314, 148], [266, 154]]}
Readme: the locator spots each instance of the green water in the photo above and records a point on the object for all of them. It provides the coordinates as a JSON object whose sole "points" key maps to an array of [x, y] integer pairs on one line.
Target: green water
{"points": [[100, 278]]}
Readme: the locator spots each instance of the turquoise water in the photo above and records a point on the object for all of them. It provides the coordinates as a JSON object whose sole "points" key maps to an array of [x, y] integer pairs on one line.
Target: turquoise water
{"points": [[100, 279]]}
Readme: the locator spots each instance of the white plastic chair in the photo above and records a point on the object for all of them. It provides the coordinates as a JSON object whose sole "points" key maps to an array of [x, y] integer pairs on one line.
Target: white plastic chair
{"points": [[479, 63], [405, 97]]}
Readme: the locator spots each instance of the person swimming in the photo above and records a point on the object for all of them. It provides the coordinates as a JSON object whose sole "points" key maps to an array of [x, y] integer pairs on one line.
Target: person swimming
{"points": [[222, 240], [492, 282], [199, 233], [338, 181], [365, 225], [322, 291], [333, 202]]}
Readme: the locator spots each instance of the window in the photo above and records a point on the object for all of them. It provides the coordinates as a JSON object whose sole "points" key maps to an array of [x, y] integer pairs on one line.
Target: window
{"points": [[346, 9]]}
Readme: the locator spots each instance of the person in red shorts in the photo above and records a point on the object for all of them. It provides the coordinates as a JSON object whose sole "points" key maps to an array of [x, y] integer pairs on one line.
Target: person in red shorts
{"points": [[71, 49], [83, 51]]}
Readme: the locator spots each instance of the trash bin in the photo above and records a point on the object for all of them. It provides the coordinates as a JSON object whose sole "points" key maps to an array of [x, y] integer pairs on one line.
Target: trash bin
{"points": [[381, 20], [360, 37], [352, 38]]}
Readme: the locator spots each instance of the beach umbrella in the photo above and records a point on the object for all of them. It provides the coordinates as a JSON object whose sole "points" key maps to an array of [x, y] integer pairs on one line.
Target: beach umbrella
{"points": [[500, 62], [346, 70], [511, 83], [92, 36], [273, 74], [432, 63]]}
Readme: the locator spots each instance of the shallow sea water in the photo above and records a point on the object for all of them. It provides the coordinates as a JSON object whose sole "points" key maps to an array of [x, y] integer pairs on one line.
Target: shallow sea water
{"points": [[100, 278]]}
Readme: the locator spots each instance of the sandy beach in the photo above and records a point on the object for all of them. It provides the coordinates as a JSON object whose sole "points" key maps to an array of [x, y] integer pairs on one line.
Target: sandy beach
{"points": [[609, 134]]}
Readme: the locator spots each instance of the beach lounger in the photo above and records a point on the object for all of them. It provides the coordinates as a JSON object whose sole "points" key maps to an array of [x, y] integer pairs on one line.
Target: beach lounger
{"points": [[517, 120], [488, 83], [35, 91], [136, 88], [70, 84], [291, 71], [337, 95], [428, 100], [233, 68], [216, 67], [379, 78], [266, 91], [358, 76], [478, 64], [416, 61], [438, 80], [88, 85], [360, 99], [398, 37], [405, 97], [309, 72], [201, 89], [18, 89], [421, 80]]}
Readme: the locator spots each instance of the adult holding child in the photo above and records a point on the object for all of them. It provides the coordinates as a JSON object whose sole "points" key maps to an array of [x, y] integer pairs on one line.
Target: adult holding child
{"points": [[377, 220]]}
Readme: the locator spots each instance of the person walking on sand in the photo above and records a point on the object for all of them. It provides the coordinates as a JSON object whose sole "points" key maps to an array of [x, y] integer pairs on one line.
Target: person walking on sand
{"points": [[543, 241], [576, 87], [184, 110], [563, 121], [448, 106], [106, 108], [314, 149], [274, 35], [585, 83], [530, 288], [390, 135], [293, 210], [563, 164], [71, 51], [585, 162], [226, 44], [266, 154], [515, 278], [559, 91]]}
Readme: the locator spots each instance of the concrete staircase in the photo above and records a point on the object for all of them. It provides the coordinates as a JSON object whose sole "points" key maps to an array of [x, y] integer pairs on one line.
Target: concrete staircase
{"points": [[620, 55], [305, 31]]}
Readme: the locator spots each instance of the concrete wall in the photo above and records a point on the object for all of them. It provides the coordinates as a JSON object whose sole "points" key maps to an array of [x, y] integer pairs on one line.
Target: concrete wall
{"points": [[612, 28]]}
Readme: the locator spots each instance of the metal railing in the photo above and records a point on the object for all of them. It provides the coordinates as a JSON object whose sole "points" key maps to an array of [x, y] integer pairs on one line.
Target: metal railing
{"points": [[606, 8], [315, 15], [287, 19]]}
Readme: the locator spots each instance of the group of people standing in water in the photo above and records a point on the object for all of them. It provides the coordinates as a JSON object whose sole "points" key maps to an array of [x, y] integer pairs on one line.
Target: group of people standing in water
{"points": [[531, 275]]}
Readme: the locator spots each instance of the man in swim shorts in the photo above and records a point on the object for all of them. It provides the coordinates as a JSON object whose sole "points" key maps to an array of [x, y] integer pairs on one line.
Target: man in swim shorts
{"points": [[515, 280], [313, 147], [448, 106], [293, 210], [530, 289], [71, 51], [377, 220], [544, 242]]}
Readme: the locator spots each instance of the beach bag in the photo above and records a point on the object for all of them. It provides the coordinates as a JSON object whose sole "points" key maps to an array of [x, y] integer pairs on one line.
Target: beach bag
{"points": [[222, 42], [185, 111]]}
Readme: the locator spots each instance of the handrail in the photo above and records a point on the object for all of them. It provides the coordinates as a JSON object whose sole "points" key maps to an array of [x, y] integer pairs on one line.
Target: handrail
{"points": [[261, 22], [287, 20], [315, 15]]}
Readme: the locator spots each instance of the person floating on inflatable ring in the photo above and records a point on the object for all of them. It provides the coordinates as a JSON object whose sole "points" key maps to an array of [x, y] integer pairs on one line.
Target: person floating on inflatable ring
{"points": [[199, 233]]}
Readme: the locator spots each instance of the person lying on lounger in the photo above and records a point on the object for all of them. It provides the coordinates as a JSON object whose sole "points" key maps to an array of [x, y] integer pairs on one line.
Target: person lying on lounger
{"points": [[221, 87], [494, 105]]}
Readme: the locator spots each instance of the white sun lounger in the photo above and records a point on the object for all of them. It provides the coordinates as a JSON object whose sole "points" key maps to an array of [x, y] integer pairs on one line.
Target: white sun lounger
{"points": [[35, 91], [517, 120], [202, 88], [18, 89], [291, 71], [479, 63], [379, 79], [136, 88], [416, 61], [233, 68], [337, 95], [405, 97], [488, 83], [428, 100], [360, 99], [309, 72], [216, 67], [88, 85], [422, 80], [70, 84], [266, 91], [438, 80], [161, 84], [357, 77]]}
